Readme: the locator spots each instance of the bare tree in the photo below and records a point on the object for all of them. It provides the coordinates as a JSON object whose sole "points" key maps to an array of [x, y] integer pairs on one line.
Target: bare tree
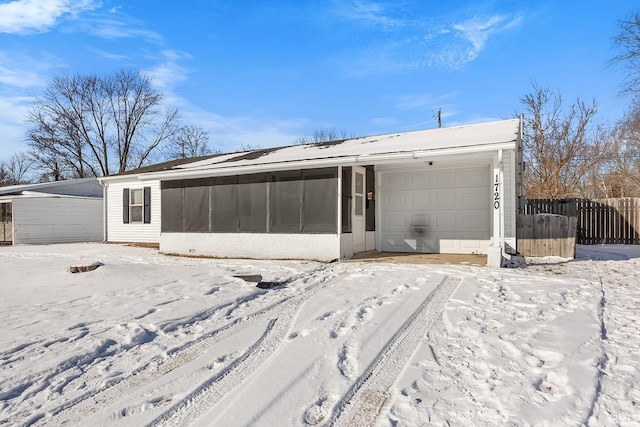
{"points": [[247, 147], [190, 141], [623, 168], [89, 125], [323, 135], [627, 41], [14, 170], [560, 148]]}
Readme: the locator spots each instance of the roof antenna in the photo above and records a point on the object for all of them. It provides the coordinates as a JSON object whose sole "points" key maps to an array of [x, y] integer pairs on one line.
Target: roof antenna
{"points": [[438, 116]]}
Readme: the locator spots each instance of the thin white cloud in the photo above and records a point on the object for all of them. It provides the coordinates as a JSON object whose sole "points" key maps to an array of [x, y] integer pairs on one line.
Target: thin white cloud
{"points": [[229, 133], [168, 73], [424, 100], [12, 124], [19, 78], [477, 31], [34, 16], [427, 105], [21, 71], [383, 121], [369, 13], [121, 27], [418, 43], [110, 55]]}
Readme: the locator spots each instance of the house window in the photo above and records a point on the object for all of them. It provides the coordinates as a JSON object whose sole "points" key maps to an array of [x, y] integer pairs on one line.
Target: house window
{"points": [[136, 205]]}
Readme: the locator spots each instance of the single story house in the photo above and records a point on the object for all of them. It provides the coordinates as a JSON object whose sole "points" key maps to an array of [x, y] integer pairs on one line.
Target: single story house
{"points": [[52, 212], [445, 190]]}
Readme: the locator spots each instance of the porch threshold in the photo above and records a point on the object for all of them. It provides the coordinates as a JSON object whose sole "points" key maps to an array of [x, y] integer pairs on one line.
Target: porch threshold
{"points": [[418, 258]]}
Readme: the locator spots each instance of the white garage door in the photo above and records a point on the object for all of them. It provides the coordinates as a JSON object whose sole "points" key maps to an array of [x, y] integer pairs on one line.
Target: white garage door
{"points": [[435, 211]]}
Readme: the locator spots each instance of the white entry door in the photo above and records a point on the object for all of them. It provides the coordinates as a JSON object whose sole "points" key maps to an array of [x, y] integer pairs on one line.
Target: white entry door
{"points": [[359, 219]]}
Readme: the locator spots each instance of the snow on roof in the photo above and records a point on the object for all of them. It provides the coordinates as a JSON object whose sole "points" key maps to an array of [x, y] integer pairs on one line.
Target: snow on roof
{"points": [[74, 187], [42, 195], [482, 137]]}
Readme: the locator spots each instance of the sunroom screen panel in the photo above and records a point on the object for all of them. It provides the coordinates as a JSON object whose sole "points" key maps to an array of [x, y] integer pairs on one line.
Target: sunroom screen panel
{"points": [[285, 201], [225, 201], [252, 203], [171, 206], [320, 200], [196, 205]]}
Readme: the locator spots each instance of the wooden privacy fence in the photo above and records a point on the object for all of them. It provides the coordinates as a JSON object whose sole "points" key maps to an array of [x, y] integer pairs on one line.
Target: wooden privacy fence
{"points": [[545, 235], [599, 221]]}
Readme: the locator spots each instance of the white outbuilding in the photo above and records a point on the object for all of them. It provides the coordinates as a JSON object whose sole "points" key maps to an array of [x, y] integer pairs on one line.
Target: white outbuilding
{"points": [[446, 190], [52, 212]]}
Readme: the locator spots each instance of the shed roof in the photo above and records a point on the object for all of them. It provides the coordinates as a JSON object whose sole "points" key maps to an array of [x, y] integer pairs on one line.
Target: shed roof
{"points": [[424, 144], [86, 187]]}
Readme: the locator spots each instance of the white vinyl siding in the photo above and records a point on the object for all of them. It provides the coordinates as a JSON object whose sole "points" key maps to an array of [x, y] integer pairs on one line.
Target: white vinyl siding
{"points": [[43, 220], [117, 231]]}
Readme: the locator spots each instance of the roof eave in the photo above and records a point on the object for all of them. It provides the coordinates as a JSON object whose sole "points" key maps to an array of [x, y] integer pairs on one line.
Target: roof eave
{"points": [[386, 158]]}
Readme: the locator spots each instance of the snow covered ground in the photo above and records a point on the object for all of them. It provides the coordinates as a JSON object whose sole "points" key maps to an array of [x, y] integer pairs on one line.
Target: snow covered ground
{"points": [[148, 339]]}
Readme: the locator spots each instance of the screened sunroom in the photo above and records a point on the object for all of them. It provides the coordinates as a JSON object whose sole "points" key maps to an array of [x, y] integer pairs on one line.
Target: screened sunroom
{"points": [[278, 208]]}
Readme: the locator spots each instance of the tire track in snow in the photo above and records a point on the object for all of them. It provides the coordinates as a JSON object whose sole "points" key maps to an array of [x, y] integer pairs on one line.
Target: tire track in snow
{"points": [[366, 398], [604, 358], [210, 392], [74, 410]]}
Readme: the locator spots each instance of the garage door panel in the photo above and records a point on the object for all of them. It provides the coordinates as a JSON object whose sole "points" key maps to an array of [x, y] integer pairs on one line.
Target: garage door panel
{"points": [[452, 205], [444, 200], [445, 222], [472, 221], [395, 181], [418, 200], [395, 221], [473, 176], [400, 243], [418, 180], [474, 199], [394, 201], [444, 179]]}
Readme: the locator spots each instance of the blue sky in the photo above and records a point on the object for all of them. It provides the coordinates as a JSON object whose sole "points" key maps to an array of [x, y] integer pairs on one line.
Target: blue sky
{"points": [[263, 73]]}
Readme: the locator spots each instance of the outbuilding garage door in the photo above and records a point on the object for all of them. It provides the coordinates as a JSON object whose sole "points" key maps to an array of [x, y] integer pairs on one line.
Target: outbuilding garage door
{"points": [[435, 211]]}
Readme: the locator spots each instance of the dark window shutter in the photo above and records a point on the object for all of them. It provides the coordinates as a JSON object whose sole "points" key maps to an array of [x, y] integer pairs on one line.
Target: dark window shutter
{"points": [[125, 206], [147, 205]]}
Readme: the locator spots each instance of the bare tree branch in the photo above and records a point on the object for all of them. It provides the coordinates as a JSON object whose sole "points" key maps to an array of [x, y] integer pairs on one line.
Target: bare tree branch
{"points": [[627, 41], [14, 170], [83, 125], [323, 135], [189, 141], [559, 147]]}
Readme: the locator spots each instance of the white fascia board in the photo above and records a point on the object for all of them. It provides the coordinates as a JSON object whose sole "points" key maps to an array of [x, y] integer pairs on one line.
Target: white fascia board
{"points": [[491, 148], [105, 181], [368, 159], [240, 170]]}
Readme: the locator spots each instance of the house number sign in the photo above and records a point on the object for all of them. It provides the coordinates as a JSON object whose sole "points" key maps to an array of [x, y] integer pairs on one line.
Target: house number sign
{"points": [[496, 192]]}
